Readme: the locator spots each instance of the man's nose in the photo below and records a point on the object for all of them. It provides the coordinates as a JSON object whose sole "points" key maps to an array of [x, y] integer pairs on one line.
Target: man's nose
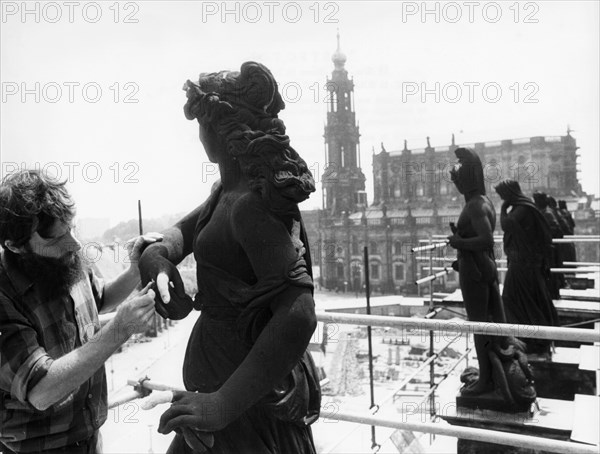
{"points": [[72, 244]]}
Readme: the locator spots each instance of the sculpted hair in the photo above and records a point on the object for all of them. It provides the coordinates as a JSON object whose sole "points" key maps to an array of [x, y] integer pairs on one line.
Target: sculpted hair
{"points": [[31, 201], [241, 107]]}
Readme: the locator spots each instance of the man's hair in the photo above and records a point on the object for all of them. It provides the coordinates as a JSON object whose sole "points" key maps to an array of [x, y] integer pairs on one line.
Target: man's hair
{"points": [[31, 201]]}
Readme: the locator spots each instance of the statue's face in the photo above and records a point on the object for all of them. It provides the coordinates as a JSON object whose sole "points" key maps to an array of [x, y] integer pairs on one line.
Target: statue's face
{"points": [[210, 142], [457, 176]]}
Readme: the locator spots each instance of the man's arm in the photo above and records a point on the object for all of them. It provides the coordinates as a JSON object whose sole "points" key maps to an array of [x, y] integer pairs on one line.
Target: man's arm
{"points": [[116, 291], [69, 372]]}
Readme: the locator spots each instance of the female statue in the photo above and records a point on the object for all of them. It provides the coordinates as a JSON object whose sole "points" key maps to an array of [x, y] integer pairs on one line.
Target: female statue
{"points": [[528, 248], [251, 383]]}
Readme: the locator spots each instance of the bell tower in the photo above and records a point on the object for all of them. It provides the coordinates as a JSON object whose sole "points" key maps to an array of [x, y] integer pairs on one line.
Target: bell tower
{"points": [[343, 179]]}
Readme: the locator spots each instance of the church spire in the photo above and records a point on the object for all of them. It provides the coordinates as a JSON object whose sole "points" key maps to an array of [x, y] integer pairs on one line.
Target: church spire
{"points": [[338, 58]]}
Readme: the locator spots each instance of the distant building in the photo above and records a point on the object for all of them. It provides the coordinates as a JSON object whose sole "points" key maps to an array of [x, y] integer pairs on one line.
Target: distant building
{"points": [[414, 197]]}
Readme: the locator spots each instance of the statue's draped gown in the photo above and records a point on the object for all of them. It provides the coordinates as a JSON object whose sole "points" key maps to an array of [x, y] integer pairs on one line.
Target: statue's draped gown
{"points": [[233, 313], [527, 244]]}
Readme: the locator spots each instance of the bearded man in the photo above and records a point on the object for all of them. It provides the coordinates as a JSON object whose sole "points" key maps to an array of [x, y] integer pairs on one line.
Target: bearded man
{"points": [[53, 394]]}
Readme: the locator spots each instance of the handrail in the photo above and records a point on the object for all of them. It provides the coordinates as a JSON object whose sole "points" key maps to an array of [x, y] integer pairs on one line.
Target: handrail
{"points": [[564, 239], [428, 247], [563, 270], [432, 277], [413, 325], [467, 433]]}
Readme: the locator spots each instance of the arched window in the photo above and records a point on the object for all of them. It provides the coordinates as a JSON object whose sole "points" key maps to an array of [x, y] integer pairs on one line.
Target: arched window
{"points": [[340, 270], [372, 247], [419, 189], [397, 248], [399, 271], [374, 270]]}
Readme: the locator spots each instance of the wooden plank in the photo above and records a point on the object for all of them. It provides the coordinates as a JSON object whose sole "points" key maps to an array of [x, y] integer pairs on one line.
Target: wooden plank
{"points": [[590, 357], [586, 416]]}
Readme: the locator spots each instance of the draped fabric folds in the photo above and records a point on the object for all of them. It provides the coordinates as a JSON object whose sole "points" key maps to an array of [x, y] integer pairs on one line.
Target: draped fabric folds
{"points": [[233, 315]]}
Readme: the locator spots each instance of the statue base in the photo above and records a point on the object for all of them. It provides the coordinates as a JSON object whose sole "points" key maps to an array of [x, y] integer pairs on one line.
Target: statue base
{"points": [[491, 400], [561, 376], [550, 420]]}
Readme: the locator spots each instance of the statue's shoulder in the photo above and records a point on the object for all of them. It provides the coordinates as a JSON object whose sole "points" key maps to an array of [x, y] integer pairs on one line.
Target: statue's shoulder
{"points": [[249, 209]]}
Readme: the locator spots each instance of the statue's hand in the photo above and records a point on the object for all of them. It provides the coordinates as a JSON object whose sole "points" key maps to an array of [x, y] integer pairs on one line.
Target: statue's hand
{"points": [[206, 412], [171, 301], [455, 241]]}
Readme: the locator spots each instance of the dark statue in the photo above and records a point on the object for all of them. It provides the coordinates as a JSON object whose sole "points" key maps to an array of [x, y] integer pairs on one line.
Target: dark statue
{"points": [[473, 237], [555, 281], [528, 248], [511, 372], [252, 385]]}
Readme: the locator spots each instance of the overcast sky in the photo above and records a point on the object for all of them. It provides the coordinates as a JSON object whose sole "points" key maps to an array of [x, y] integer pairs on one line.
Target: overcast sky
{"points": [[116, 150]]}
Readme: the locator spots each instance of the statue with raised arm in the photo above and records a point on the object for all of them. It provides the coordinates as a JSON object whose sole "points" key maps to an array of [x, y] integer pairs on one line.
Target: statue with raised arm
{"points": [[252, 386], [528, 248], [473, 237]]}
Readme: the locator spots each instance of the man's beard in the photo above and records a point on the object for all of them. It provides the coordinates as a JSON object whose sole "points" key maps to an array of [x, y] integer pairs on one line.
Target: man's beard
{"points": [[54, 276]]}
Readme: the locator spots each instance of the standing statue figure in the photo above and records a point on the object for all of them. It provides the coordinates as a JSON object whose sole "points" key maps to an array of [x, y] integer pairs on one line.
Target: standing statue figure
{"points": [[569, 224], [555, 281], [473, 237], [528, 248], [566, 250], [251, 383]]}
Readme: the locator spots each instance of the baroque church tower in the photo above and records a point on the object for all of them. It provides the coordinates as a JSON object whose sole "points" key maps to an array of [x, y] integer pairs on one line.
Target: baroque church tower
{"points": [[343, 179]]}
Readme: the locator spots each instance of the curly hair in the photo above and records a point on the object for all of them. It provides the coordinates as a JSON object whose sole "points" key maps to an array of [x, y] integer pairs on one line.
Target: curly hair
{"points": [[31, 201], [241, 107]]}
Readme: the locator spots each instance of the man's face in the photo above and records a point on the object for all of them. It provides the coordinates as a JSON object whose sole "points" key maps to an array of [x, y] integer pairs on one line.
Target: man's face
{"points": [[52, 259], [56, 242]]}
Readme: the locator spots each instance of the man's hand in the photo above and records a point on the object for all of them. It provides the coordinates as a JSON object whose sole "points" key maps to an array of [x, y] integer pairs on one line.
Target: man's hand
{"points": [[134, 315], [197, 411], [136, 246]]}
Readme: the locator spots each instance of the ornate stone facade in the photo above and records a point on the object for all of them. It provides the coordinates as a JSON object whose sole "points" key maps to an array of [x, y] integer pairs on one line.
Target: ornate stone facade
{"points": [[414, 197]]}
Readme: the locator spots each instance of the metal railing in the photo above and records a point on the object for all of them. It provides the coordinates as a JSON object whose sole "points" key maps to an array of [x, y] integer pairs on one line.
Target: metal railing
{"points": [[413, 325]]}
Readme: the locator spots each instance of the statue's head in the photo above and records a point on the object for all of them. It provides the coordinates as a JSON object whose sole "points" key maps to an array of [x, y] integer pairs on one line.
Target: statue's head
{"points": [[467, 174], [237, 113], [509, 190], [562, 204], [540, 199], [551, 202]]}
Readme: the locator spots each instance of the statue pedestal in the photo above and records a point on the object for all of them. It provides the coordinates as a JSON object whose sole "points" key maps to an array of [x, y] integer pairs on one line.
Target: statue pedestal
{"points": [[554, 419], [490, 401], [563, 376]]}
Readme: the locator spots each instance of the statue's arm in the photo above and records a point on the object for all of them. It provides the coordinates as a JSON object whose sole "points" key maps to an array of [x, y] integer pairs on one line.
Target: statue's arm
{"points": [[516, 217], [158, 263], [484, 236], [285, 338], [280, 345]]}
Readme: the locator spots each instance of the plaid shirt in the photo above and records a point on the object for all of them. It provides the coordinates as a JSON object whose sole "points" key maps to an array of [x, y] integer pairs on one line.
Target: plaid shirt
{"points": [[34, 331]]}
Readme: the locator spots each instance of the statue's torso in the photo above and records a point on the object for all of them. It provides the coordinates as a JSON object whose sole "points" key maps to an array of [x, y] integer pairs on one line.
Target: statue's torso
{"points": [[216, 243]]}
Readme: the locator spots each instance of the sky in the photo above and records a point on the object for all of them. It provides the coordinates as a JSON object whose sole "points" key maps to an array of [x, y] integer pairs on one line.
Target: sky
{"points": [[92, 92]]}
